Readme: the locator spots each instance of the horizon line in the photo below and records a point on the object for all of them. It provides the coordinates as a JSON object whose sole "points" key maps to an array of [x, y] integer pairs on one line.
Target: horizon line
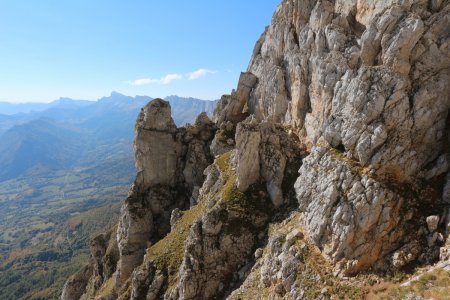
{"points": [[98, 99]]}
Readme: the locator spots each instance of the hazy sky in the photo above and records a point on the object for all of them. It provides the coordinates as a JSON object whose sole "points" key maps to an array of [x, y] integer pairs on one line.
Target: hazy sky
{"points": [[85, 49]]}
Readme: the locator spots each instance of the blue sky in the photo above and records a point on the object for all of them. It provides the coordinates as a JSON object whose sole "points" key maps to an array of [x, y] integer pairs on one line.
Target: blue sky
{"points": [[85, 49]]}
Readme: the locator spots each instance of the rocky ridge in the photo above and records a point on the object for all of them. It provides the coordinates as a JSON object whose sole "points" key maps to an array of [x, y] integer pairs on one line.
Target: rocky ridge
{"points": [[329, 160]]}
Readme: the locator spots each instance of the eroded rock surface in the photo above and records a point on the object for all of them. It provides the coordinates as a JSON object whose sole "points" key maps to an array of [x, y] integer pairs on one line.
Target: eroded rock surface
{"points": [[209, 243], [170, 162], [349, 100], [353, 216], [263, 151], [358, 75]]}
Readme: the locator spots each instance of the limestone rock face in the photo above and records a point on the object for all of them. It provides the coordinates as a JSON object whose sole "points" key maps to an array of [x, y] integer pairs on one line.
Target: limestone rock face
{"points": [[355, 217], [231, 107], [156, 146], [263, 150], [366, 87], [104, 257], [220, 238], [325, 161], [290, 267], [213, 249], [76, 285], [360, 75], [247, 143], [170, 162]]}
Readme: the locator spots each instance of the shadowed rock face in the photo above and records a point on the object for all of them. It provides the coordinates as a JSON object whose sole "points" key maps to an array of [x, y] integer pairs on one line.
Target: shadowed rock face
{"points": [[343, 111]]}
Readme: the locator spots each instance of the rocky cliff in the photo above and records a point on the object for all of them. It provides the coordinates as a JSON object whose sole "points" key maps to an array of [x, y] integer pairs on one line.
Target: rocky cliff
{"points": [[331, 159]]}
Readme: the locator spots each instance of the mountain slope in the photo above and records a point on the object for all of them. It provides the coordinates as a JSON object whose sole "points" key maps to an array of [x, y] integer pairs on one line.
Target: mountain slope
{"points": [[39, 142], [56, 164], [185, 110], [328, 172], [25, 108], [8, 121]]}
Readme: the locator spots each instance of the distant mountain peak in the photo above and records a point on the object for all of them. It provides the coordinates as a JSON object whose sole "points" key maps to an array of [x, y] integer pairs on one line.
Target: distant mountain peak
{"points": [[175, 97], [116, 94]]}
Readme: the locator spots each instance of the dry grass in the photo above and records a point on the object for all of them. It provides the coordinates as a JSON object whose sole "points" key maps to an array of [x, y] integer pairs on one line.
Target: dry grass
{"points": [[168, 252], [431, 285], [313, 274], [107, 290]]}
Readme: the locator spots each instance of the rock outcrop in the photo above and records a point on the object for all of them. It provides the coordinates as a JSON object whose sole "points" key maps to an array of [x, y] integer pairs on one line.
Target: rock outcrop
{"points": [[360, 77], [330, 159], [170, 162], [263, 151], [355, 217], [198, 258]]}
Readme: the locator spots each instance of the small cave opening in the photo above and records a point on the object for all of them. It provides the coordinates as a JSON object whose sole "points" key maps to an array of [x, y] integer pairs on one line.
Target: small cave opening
{"points": [[295, 35], [340, 148]]}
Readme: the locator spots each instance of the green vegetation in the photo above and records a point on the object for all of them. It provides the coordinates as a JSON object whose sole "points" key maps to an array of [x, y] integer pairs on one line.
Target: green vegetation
{"points": [[231, 195], [39, 269], [396, 277], [168, 252], [222, 163], [39, 279], [234, 199], [354, 165], [107, 289], [223, 135], [48, 200], [55, 166]]}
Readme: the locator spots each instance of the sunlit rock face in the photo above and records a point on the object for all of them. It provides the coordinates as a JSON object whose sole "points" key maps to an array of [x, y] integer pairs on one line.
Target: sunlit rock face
{"points": [[370, 75], [370, 79], [156, 146], [334, 148]]}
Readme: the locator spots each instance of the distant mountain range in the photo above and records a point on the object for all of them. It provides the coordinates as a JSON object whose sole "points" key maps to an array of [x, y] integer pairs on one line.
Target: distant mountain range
{"points": [[66, 132], [8, 108]]}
